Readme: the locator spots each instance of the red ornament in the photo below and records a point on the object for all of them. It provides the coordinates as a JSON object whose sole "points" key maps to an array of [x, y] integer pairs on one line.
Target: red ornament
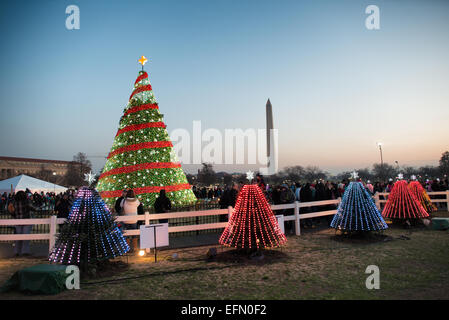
{"points": [[253, 224], [402, 204]]}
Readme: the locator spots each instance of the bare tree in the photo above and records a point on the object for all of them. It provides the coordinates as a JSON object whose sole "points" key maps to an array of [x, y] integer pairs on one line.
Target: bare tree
{"points": [[206, 174], [444, 164], [76, 170]]}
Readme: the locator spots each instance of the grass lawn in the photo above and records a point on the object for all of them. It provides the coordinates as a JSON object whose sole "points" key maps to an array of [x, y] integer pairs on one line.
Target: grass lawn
{"points": [[414, 264]]}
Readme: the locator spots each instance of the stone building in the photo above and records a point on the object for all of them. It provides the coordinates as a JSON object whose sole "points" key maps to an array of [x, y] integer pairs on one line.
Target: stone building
{"points": [[13, 166]]}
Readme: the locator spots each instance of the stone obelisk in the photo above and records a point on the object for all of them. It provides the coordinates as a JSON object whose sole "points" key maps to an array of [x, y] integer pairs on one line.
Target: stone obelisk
{"points": [[269, 127]]}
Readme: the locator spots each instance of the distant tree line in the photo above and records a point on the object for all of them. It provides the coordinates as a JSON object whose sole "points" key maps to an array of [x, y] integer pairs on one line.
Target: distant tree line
{"points": [[379, 172], [74, 176]]}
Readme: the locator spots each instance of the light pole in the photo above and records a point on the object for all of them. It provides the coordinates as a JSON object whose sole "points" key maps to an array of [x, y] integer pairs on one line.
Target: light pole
{"points": [[54, 180]]}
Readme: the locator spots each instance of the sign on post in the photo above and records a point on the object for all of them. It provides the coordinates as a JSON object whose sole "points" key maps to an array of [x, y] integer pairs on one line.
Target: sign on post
{"points": [[148, 237], [280, 218]]}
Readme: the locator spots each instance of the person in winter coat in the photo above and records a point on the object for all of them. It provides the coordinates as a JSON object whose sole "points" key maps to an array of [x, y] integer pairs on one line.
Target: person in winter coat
{"points": [[63, 206], [118, 203], [21, 209], [162, 205], [129, 207]]}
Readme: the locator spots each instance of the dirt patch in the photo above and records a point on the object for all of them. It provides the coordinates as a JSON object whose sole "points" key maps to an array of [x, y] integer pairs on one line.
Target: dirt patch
{"points": [[245, 257], [362, 237]]}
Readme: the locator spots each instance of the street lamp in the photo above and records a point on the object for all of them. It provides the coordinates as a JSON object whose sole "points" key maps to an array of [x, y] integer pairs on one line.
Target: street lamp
{"points": [[54, 180]]}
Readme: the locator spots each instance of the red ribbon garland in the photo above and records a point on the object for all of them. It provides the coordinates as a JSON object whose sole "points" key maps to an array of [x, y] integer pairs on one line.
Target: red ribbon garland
{"points": [[138, 146], [141, 107], [138, 167], [135, 127], [144, 75], [154, 189], [140, 89]]}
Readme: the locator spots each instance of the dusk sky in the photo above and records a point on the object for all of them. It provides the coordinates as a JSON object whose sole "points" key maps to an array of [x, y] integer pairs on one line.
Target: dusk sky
{"points": [[336, 87]]}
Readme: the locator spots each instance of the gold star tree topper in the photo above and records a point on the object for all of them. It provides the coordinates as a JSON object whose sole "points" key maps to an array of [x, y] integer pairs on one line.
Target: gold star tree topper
{"points": [[143, 60]]}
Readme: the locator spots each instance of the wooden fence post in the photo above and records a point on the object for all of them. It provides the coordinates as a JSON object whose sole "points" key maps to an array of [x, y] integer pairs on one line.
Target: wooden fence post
{"points": [[147, 218], [377, 200], [297, 221], [230, 208], [447, 200], [52, 235]]}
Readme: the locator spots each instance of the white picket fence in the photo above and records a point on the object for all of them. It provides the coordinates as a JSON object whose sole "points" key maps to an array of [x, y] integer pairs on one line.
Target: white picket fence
{"points": [[53, 221], [379, 201], [296, 217]]}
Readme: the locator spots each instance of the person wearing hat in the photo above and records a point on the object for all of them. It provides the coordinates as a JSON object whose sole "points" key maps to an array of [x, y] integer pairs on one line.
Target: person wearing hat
{"points": [[370, 187], [118, 208]]}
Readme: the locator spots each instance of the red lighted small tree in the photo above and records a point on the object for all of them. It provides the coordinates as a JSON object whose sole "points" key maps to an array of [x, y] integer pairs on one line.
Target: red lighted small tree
{"points": [[253, 224], [420, 193], [402, 204]]}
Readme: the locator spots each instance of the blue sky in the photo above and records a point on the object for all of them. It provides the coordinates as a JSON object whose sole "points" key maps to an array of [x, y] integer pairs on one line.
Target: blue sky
{"points": [[336, 87]]}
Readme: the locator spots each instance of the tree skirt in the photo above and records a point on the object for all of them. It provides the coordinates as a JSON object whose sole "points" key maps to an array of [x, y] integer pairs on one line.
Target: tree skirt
{"points": [[40, 279]]}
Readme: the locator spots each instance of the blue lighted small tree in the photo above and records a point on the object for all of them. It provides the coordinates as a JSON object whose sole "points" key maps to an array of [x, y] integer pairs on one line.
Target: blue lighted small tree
{"points": [[357, 211], [90, 234]]}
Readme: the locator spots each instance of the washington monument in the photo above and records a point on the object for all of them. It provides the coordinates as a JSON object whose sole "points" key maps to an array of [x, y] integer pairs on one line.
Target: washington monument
{"points": [[271, 142]]}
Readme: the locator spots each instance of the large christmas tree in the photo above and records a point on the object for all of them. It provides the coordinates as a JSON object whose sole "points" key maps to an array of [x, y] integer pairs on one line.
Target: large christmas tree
{"points": [[420, 193], [402, 204], [142, 156], [357, 211], [253, 224], [90, 234]]}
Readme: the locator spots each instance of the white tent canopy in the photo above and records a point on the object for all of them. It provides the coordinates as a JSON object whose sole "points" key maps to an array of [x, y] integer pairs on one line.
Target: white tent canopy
{"points": [[23, 182]]}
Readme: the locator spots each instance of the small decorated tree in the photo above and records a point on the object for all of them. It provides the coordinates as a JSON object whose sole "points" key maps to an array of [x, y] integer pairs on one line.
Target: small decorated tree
{"points": [[357, 211], [90, 234], [402, 204], [253, 224], [420, 193]]}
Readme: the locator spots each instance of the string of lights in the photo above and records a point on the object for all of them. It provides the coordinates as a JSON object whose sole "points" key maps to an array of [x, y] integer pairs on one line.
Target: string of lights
{"points": [[253, 224], [90, 233], [141, 157], [402, 203], [420, 193], [357, 211]]}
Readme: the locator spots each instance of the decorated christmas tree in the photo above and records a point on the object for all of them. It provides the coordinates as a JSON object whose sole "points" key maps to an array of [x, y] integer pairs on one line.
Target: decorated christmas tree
{"points": [[402, 204], [142, 157], [420, 193], [253, 224], [90, 234], [357, 211]]}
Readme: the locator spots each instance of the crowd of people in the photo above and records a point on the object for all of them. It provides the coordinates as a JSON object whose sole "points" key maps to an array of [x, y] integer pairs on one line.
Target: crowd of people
{"points": [[49, 201], [21, 204]]}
